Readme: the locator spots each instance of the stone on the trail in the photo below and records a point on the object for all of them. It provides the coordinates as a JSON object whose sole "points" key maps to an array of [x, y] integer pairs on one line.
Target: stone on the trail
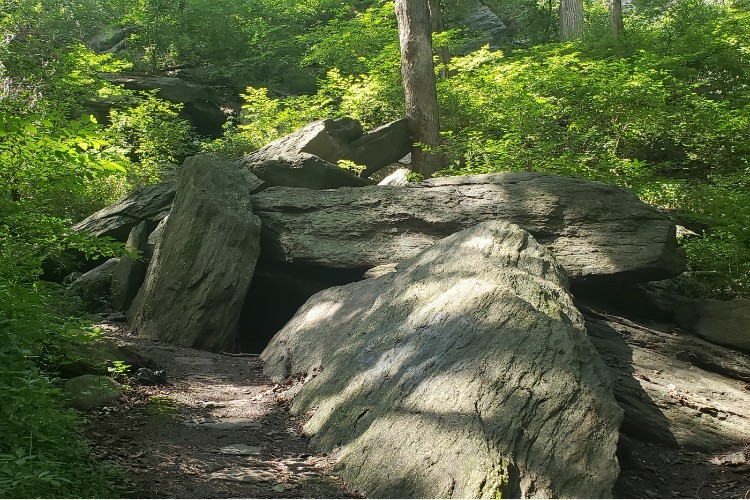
{"points": [[302, 170], [381, 147], [129, 273], [90, 391], [244, 474], [201, 270], [593, 229], [240, 449], [94, 287], [151, 203], [466, 373]]}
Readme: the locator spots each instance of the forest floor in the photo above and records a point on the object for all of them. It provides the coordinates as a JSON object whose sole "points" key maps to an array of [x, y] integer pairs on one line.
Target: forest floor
{"points": [[220, 429]]}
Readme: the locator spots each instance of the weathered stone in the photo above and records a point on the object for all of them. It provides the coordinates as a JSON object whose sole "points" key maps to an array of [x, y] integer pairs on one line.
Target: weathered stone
{"points": [[325, 139], [397, 178], [201, 270], [723, 322], [94, 287], [90, 391], [593, 229], [381, 147], [466, 373], [151, 203], [675, 389], [129, 273], [303, 170]]}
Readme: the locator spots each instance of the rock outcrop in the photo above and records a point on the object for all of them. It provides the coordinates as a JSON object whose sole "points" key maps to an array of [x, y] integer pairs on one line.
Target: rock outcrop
{"points": [[202, 267], [593, 229], [466, 373]]}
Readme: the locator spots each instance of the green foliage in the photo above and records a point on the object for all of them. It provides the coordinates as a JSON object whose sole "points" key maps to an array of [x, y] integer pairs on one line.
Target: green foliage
{"points": [[156, 137], [41, 453]]}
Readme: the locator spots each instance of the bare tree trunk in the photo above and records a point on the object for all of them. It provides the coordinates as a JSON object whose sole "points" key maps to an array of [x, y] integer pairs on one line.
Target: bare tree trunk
{"points": [[436, 22], [615, 16], [571, 19], [419, 82]]}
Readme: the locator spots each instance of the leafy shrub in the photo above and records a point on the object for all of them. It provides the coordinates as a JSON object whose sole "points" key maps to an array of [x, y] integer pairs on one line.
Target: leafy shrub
{"points": [[156, 137]]}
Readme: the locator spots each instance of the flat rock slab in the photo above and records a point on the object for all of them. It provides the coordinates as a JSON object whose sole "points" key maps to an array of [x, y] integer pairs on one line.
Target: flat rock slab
{"points": [[675, 389], [244, 474], [151, 203], [593, 229], [465, 373], [240, 449]]}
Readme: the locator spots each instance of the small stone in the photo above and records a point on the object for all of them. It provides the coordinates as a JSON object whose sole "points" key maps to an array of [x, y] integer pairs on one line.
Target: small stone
{"points": [[240, 449], [243, 474]]}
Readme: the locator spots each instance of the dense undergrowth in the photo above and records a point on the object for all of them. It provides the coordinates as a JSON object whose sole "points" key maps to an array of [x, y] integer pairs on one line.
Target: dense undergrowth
{"points": [[663, 110]]}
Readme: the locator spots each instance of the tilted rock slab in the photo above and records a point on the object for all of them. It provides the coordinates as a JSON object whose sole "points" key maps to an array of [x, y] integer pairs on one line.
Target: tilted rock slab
{"points": [[202, 267], [674, 388], [593, 229], [151, 203], [466, 373]]}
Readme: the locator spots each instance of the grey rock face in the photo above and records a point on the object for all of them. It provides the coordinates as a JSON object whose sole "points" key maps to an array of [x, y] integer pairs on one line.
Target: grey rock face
{"points": [[325, 139], [674, 388], [466, 373], [381, 147], [202, 267], [129, 273], [593, 229], [151, 203], [94, 287], [723, 322]]}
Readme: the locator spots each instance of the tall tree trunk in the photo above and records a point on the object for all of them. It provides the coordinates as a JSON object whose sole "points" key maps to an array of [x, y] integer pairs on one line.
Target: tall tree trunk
{"points": [[571, 19], [615, 16], [436, 23], [418, 75]]}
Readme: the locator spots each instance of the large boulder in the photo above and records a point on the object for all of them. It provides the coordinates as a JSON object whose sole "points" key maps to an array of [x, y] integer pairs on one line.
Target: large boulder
{"points": [[594, 230], [466, 373], [381, 147], [151, 203], [325, 139], [202, 267]]}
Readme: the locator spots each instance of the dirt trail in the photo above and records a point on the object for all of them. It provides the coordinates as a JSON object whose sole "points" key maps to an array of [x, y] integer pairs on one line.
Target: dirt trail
{"points": [[217, 430]]}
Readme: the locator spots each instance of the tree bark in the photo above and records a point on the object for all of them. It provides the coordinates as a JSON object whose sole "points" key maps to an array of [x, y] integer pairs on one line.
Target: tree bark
{"points": [[418, 74], [571, 19], [615, 16]]}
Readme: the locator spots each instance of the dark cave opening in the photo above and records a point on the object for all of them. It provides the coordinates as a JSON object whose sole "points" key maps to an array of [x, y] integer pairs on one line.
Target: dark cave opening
{"points": [[277, 291]]}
